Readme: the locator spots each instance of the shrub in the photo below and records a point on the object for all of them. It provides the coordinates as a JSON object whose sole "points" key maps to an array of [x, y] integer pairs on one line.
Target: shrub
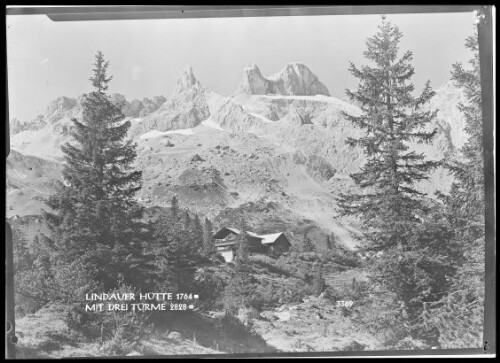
{"points": [[409, 343], [114, 329], [344, 257], [31, 292], [210, 287]]}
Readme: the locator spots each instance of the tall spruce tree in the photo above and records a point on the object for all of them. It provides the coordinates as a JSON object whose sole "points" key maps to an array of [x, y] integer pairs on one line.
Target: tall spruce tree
{"points": [[208, 239], [459, 315], [187, 221], [392, 210], [391, 118], [240, 291], [467, 201], [174, 256], [243, 248], [308, 245], [174, 208], [94, 217], [318, 281], [197, 234], [329, 242]]}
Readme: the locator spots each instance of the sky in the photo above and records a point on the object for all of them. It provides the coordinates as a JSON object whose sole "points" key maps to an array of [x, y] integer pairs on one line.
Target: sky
{"points": [[49, 59]]}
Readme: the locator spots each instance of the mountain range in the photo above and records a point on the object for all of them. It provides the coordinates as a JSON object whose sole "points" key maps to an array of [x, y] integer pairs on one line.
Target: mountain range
{"points": [[272, 152]]}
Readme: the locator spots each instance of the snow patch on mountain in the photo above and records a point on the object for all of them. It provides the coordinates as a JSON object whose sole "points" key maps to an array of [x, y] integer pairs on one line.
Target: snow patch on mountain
{"points": [[210, 123], [44, 135], [265, 119], [345, 106], [155, 133]]}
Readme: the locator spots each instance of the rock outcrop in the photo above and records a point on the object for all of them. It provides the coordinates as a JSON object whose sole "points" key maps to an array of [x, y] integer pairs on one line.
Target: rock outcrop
{"points": [[298, 117], [319, 169], [61, 107], [137, 108], [232, 116]]}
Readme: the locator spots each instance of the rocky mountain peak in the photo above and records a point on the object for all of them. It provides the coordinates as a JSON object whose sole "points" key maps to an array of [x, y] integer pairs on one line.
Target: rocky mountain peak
{"points": [[186, 108], [251, 66], [187, 81], [296, 79], [253, 82]]}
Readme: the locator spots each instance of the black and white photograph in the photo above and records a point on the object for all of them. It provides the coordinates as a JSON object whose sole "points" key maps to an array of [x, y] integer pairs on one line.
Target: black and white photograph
{"points": [[256, 185]]}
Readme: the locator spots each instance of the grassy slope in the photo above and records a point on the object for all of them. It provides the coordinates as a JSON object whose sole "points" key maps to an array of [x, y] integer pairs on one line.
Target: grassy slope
{"points": [[46, 335]]}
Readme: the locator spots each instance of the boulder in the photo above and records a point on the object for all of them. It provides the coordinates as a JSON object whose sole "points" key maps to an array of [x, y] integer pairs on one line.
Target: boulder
{"points": [[196, 158], [283, 316], [174, 336], [168, 143], [299, 158], [281, 308], [246, 315], [319, 168], [268, 315]]}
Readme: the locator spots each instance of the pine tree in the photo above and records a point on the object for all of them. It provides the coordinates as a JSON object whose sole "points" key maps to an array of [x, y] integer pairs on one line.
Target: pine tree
{"points": [[390, 207], [466, 200], [187, 221], [208, 241], [308, 246], [243, 248], [94, 217], [462, 309], [241, 288], [174, 208], [329, 242], [175, 262], [197, 234], [318, 281], [391, 117]]}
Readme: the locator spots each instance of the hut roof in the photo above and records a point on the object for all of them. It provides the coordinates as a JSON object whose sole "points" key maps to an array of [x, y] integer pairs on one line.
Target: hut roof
{"points": [[225, 231], [270, 238]]}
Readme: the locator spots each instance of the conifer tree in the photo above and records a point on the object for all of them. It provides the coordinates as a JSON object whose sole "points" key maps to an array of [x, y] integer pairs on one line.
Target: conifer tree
{"points": [[467, 202], [187, 221], [318, 281], [208, 241], [174, 256], [174, 208], [329, 242], [413, 265], [459, 315], [243, 249], [391, 117], [197, 234], [308, 246], [93, 217], [240, 290]]}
